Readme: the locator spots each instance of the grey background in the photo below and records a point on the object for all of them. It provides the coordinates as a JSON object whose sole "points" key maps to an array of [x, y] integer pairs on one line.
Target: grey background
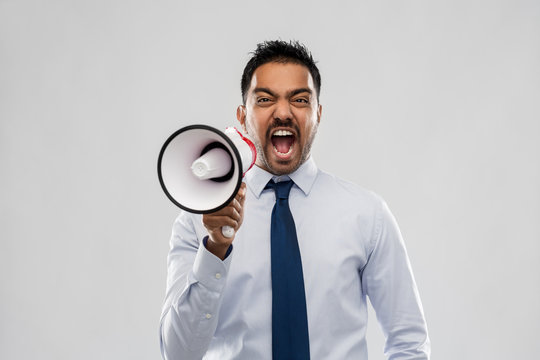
{"points": [[432, 104]]}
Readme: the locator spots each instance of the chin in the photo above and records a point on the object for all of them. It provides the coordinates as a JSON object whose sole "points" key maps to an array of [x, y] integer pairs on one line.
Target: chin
{"points": [[281, 168]]}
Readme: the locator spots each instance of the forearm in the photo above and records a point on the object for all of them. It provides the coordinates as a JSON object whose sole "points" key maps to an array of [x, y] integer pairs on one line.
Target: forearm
{"points": [[399, 311], [188, 325], [196, 279], [389, 282]]}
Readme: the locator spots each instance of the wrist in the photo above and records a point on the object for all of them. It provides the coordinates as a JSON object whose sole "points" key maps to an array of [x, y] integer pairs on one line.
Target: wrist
{"points": [[221, 250]]}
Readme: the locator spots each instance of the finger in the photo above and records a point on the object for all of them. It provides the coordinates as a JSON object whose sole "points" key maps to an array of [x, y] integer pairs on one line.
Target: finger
{"points": [[236, 205], [242, 191], [227, 210], [233, 210], [241, 194], [231, 215], [240, 208], [237, 202], [215, 223]]}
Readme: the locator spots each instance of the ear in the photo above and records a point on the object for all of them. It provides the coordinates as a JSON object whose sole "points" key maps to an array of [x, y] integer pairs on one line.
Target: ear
{"points": [[319, 113], [241, 116]]}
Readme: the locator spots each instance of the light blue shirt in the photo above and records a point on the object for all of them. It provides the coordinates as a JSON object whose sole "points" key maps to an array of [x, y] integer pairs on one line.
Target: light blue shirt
{"points": [[351, 248]]}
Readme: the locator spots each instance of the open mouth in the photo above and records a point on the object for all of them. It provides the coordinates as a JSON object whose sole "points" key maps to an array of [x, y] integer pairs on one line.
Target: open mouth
{"points": [[283, 141]]}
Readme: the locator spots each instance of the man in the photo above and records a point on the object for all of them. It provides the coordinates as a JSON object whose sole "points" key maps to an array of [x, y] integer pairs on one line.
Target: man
{"points": [[225, 296]]}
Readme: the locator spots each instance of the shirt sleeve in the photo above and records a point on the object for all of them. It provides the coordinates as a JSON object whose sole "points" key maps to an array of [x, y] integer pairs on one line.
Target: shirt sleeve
{"points": [[195, 282], [389, 282]]}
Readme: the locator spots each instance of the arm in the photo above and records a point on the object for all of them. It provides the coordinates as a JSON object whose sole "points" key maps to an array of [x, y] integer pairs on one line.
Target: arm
{"points": [[193, 291], [197, 273], [388, 281]]}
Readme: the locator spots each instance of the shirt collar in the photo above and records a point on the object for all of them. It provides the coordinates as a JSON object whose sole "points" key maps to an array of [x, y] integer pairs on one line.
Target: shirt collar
{"points": [[303, 177]]}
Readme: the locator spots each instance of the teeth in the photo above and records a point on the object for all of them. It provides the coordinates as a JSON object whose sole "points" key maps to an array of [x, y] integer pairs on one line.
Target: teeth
{"points": [[282, 133]]}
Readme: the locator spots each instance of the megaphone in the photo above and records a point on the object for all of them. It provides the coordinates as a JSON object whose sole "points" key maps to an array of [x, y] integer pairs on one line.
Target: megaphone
{"points": [[200, 168]]}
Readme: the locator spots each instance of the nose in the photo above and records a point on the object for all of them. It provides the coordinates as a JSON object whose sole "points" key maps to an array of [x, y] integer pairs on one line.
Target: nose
{"points": [[283, 110]]}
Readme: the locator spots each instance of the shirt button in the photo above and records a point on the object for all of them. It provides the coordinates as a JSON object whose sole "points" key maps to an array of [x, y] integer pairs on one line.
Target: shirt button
{"points": [[218, 276], [208, 316]]}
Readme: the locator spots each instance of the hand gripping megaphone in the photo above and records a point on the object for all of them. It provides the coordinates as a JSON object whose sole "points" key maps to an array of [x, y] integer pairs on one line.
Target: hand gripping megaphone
{"points": [[201, 168]]}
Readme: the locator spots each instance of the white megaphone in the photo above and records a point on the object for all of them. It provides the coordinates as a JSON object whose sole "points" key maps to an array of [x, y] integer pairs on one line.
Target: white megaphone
{"points": [[201, 168]]}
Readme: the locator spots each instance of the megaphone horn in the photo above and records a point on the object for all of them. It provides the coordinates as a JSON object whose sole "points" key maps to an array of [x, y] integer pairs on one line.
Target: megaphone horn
{"points": [[200, 168]]}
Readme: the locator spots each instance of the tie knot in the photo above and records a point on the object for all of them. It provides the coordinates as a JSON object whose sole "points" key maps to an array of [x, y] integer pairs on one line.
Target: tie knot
{"points": [[281, 188]]}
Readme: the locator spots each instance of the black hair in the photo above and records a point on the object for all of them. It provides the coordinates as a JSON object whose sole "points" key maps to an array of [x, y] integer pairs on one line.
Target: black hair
{"points": [[282, 52]]}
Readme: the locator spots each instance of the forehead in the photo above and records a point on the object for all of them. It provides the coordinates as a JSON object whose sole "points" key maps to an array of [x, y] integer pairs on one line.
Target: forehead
{"points": [[282, 77]]}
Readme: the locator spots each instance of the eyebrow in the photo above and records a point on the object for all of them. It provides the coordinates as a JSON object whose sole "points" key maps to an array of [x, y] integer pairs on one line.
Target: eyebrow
{"points": [[299, 91], [266, 90], [290, 94]]}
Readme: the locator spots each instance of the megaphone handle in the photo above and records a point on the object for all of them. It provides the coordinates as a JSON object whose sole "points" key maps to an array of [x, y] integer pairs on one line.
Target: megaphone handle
{"points": [[227, 231]]}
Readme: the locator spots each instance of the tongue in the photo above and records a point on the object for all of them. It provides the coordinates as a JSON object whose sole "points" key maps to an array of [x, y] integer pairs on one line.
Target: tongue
{"points": [[282, 143]]}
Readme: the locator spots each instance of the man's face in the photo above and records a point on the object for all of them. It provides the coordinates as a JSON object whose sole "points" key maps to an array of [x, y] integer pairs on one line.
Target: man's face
{"points": [[281, 116]]}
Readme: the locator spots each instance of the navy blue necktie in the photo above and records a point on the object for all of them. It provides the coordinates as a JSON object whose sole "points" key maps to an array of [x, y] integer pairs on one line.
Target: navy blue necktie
{"points": [[290, 338]]}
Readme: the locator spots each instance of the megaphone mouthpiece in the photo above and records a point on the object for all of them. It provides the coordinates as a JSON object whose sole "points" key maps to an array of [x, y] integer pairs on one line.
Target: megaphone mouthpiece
{"points": [[246, 148]]}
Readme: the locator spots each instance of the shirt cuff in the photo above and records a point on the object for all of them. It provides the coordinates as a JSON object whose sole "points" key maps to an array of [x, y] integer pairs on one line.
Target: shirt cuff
{"points": [[210, 270]]}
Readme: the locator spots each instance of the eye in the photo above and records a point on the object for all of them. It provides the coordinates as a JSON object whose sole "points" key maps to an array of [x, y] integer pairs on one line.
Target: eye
{"points": [[301, 100], [263, 100]]}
